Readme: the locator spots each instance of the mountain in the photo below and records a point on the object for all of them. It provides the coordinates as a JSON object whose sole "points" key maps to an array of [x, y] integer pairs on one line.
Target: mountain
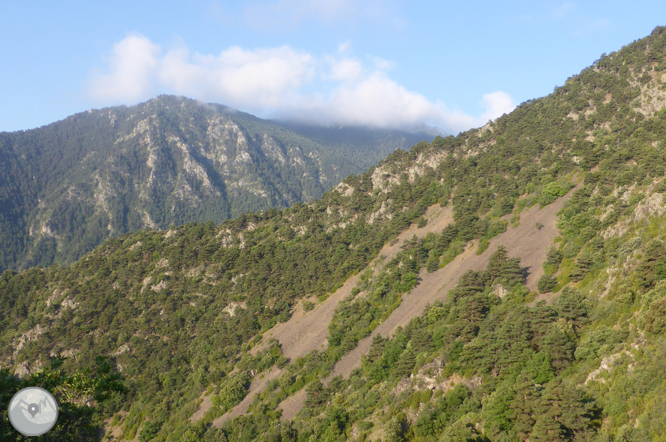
{"points": [[506, 284], [68, 186]]}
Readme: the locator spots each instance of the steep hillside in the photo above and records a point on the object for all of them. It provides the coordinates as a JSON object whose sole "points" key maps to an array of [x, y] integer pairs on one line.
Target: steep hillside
{"points": [[506, 284], [68, 186]]}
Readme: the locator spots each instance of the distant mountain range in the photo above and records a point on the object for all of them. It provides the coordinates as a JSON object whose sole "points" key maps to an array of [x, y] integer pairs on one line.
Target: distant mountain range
{"points": [[66, 187], [506, 284]]}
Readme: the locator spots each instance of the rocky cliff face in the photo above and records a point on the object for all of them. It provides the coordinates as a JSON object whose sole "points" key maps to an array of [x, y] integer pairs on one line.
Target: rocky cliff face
{"points": [[70, 185]]}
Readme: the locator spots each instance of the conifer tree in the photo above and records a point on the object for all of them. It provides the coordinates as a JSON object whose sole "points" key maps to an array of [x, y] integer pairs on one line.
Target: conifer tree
{"points": [[405, 364], [559, 347], [525, 405], [547, 429], [377, 348], [554, 257], [653, 267]]}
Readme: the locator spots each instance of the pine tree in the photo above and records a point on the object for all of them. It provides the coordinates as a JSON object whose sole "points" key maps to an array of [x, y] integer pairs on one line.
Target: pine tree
{"points": [[377, 348], [497, 410], [653, 268], [583, 265], [525, 405], [405, 364], [540, 368], [496, 263], [500, 266], [316, 395], [554, 257], [547, 429], [572, 305], [447, 236], [655, 317], [421, 340], [287, 432], [433, 262], [546, 284], [566, 406], [393, 430], [559, 347]]}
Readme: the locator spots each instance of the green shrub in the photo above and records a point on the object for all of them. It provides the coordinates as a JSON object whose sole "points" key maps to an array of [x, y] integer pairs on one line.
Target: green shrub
{"points": [[232, 390], [553, 191], [546, 284]]}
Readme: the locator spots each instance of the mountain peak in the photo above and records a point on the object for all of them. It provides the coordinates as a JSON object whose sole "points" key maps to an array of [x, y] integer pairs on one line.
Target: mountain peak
{"points": [[167, 161], [508, 283]]}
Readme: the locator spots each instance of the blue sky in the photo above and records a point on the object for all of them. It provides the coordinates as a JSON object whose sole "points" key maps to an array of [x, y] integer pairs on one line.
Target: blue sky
{"points": [[452, 64]]}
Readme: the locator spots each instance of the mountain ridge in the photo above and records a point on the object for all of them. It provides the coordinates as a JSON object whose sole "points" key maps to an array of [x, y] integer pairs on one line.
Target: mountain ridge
{"points": [[171, 160], [186, 314]]}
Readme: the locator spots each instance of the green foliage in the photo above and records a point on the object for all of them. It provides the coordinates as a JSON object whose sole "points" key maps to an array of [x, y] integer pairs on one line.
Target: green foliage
{"points": [[553, 260], [553, 191], [232, 390], [546, 284], [653, 267], [573, 306], [84, 397], [433, 262], [600, 342], [182, 313], [100, 158]]}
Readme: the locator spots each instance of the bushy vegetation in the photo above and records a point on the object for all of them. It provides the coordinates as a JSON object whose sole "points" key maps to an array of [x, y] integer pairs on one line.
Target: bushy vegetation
{"points": [[181, 312], [68, 186], [84, 397]]}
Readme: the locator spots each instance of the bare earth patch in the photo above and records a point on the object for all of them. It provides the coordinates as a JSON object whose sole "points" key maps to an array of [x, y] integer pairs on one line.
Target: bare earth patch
{"points": [[258, 385], [292, 405], [307, 331], [525, 241], [206, 404]]}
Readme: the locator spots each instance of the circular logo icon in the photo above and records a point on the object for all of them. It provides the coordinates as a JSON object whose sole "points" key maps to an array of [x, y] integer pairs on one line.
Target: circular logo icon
{"points": [[33, 411]]}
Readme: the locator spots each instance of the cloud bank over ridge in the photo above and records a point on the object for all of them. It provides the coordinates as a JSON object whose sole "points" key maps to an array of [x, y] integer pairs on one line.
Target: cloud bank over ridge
{"points": [[280, 82]]}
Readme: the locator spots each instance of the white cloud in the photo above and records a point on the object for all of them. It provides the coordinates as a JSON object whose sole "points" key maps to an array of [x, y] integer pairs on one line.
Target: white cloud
{"points": [[381, 64], [251, 79], [496, 104], [281, 82], [346, 69], [130, 76], [376, 100], [344, 47]]}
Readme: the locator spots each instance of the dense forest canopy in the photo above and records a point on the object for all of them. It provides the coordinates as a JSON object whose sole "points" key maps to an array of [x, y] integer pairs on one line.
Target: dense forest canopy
{"points": [[182, 314], [66, 187]]}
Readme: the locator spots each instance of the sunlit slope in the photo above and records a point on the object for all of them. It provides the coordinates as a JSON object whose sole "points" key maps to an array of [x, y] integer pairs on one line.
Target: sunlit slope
{"points": [[579, 174], [68, 186]]}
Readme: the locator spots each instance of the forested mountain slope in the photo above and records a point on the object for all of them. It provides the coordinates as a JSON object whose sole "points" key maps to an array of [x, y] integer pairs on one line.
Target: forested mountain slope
{"points": [[185, 315], [66, 187]]}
